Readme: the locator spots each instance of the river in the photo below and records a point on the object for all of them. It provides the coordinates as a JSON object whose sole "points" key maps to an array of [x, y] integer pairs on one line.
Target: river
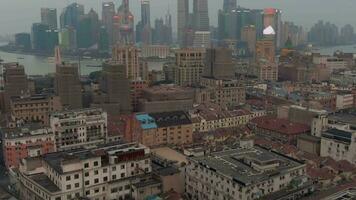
{"points": [[40, 65]]}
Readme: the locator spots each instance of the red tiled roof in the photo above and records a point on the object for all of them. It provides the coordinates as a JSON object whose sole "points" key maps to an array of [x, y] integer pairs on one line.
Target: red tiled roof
{"points": [[281, 126]]}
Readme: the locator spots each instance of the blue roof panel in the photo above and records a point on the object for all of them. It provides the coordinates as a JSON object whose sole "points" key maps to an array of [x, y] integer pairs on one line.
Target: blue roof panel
{"points": [[147, 122]]}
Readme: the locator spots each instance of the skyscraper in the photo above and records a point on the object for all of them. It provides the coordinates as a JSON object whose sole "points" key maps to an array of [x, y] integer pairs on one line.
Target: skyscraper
{"points": [[201, 15], [182, 20], [71, 15], [273, 17], [229, 5], [218, 64], [124, 25], [248, 35], [88, 30], [107, 15], [49, 17], [146, 36], [43, 38]]}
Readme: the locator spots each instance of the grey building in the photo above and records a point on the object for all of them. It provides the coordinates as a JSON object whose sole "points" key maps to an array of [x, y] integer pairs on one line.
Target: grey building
{"points": [[201, 15], [49, 17], [182, 20]]}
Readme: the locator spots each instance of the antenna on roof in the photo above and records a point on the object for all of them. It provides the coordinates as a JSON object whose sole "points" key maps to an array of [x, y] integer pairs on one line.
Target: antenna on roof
{"points": [[57, 55]]}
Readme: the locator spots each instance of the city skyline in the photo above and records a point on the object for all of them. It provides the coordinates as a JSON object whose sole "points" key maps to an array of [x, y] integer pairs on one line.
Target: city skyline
{"points": [[291, 11]]}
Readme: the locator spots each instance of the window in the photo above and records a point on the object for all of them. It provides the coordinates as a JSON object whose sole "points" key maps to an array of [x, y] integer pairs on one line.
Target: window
{"points": [[113, 168], [67, 178], [96, 180], [58, 198], [86, 174], [122, 166], [96, 172], [76, 176], [96, 163], [87, 182], [76, 185], [96, 191], [69, 196], [87, 192], [86, 165], [105, 170], [105, 179], [113, 190], [68, 187], [122, 175], [113, 177]]}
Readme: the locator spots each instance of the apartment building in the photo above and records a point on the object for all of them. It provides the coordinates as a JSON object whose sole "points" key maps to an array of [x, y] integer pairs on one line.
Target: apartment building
{"points": [[242, 173], [168, 128], [114, 172], [26, 141], [35, 108], [79, 128]]}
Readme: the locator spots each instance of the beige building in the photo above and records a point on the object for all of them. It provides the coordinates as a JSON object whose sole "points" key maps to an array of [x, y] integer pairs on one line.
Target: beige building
{"points": [[226, 93], [155, 51], [168, 128], [242, 173], [249, 36], [189, 66], [79, 128], [114, 172], [128, 56], [35, 108]]}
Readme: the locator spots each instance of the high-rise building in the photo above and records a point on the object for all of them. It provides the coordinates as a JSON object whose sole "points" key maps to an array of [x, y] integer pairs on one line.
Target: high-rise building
{"points": [[229, 5], [88, 30], [146, 32], [273, 17], [189, 66], [201, 15], [123, 30], [23, 40], [71, 15], [248, 35], [128, 56], [15, 82], [49, 17], [202, 39], [43, 38], [218, 64], [103, 40], [114, 89], [107, 15], [67, 85], [68, 38], [182, 20]]}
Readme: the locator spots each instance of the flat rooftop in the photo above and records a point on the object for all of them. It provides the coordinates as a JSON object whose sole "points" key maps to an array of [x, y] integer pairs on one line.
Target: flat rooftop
{"points": [[27, 130], [42, 180], [231, 163]]}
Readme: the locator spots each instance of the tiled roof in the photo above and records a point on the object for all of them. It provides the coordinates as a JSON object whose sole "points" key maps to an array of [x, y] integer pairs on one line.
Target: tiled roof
{"points": [[281, 126]]}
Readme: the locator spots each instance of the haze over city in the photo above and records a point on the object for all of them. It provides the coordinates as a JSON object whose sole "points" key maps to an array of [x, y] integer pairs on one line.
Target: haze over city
{"points": [[18, 15]]}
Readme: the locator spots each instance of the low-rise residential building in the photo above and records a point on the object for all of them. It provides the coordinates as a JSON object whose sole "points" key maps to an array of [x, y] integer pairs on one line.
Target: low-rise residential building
{"points": [[278, 129], [242, 173], [79, 128], [114, 172], [344, 101], [208, 117], [168, 128], [35, 108], [26, 141]]}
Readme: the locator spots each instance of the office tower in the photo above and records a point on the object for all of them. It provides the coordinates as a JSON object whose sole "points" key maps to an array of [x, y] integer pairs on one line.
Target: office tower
{"points": [[182, 20], [347, 34], [146, 36], [218, 64], [229, 5], [71, 15], [15, 82], [87, 31], [103, 40], [68, 38], [189, 66], [43, 38], [201, 15], [162, 33], [23, 40], [107, 15], [257, 20], [128, 56], [202, 39], [123, 29], [49, 17], [67, 83], [168, 29], [273, 17], [248, 35]]}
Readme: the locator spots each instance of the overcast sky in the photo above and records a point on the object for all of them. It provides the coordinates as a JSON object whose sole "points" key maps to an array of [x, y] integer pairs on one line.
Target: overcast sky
{"points": [[18, 15]]}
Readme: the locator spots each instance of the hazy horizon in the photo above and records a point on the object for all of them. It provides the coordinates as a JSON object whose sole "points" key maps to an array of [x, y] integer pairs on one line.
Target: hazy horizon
{"points": [[18, 15]]}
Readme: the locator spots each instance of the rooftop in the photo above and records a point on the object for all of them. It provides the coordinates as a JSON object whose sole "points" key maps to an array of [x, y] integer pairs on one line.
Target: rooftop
{"points": [[166, 119], [27, 130], [336, 134], [235, 164], [282, 126], [45, 182]]}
